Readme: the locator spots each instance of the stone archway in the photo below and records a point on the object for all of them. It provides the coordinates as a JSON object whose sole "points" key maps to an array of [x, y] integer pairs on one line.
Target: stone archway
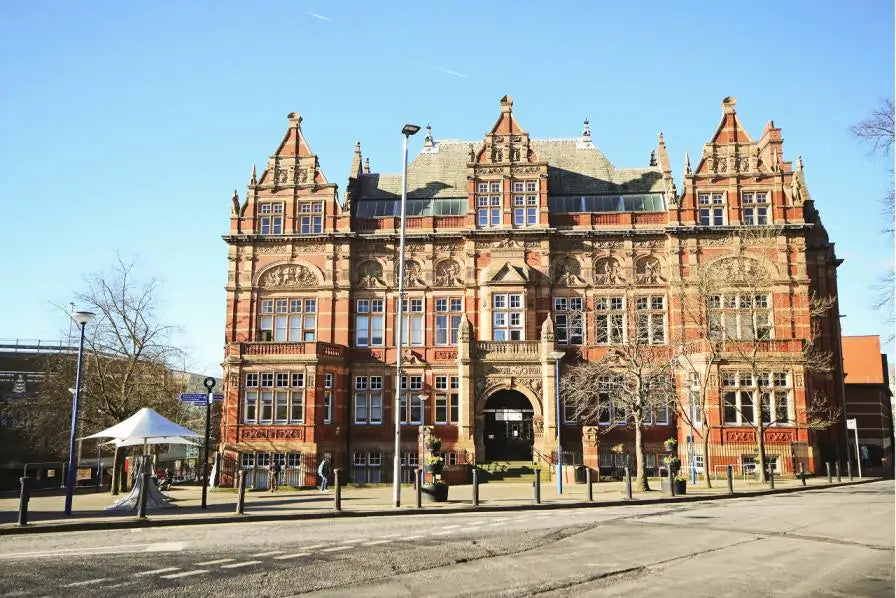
{"points": [[508, 433]]}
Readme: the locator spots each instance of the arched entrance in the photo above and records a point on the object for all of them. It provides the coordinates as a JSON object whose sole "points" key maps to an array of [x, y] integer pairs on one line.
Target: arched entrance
{"points": [[508, 427]]}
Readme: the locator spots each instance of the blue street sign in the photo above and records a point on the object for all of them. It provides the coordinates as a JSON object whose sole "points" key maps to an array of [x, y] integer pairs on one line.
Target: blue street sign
{"points": [[198, 398]]}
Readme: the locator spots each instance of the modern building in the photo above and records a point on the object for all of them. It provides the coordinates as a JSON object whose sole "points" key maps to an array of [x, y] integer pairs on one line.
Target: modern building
{"points": [[869, 402], [517, 248]]}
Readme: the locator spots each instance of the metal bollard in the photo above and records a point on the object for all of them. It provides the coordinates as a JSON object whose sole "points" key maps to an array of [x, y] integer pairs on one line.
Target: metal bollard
{"points": [[802, 474], [418, 487], [337, 491], [475, 487], [729, 474], [828, 467], [537, 485], [849, 470], [24, 497], [588, 484], [671, 482], [628, 484], [240, 491], [144, 491], [837, 467], [771, 477]]}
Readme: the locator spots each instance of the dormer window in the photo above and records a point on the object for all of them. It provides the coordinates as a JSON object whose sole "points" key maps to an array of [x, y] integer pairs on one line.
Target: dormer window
{"points": [[712, 209], [755, 208], [271, 220]]}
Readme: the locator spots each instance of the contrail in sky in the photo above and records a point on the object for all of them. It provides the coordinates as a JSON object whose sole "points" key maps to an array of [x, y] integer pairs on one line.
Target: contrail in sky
{"points": [[321, 17]]}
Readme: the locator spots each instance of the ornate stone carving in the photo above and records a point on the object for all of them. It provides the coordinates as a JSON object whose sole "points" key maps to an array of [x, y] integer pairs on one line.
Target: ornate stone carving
{"points": [[538, 425], [717, 241], [568, 272], [448, 274], [449, 247], [647, 271], [525, 170], [256, 433], [281, 176], [271, 249], [413, 274], [739, 270], [289, 276], [414, 248], [607, 244], [311, 248], [370, 275], [608, 272], [507, 243], [721, 165], [303, 176], [647, 243]]}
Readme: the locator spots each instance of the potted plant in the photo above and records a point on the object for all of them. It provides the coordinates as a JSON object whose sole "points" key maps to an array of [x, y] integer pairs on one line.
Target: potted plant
{"points": [[433, 444], [681, 484], [437, 491], [672, 462], [671, 445], [434, 465]]}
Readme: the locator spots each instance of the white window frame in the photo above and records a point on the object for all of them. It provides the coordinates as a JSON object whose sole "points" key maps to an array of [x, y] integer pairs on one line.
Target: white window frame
{"points": [[370, 316], [650, 319], [311, 219], [569, 315], [270, 221], [610, 320], [508, 317], [368, 399], [287, 319], [413, 332], [449, 311]]}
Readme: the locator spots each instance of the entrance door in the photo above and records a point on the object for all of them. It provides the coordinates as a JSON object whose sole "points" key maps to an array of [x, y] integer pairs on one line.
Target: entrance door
{"points": [[508, 427]]}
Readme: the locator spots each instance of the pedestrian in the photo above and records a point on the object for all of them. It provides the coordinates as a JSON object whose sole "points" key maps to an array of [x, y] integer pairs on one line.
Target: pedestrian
{"points": [[274, 475], [323, 472]]}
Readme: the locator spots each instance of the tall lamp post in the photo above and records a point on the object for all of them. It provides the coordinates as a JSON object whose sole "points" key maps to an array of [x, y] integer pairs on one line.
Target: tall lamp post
{"points": [[557, 356], [406, 131], [81, 317]]}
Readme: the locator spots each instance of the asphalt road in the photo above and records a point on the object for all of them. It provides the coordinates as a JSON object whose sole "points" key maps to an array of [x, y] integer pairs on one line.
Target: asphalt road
{"points": [[820, 543]]}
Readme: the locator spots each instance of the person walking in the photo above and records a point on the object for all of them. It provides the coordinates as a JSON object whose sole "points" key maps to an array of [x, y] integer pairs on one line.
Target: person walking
{"points": [[273, 475], [323, 472]]}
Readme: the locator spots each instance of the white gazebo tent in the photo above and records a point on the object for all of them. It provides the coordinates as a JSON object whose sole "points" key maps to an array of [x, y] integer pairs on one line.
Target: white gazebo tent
{"points": [[144, 427]]}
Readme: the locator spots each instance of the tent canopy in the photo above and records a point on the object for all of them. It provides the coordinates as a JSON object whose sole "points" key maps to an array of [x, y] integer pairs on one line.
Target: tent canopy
{"points": [[144, 427], [158, 440]]}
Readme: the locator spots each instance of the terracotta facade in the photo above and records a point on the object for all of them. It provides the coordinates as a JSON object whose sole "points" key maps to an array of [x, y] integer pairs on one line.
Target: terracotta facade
{"points": [[506, 237]]}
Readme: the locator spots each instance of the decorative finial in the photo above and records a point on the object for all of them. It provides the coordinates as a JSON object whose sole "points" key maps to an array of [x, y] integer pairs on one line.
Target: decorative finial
{"points": [[235, 203], [472, 153], [661, 138], [366, 165], [799, 163], [427, 141], [775, 161], [652, 158], [586, 132], [687, 163], [357, 147], [252, 179], [295, 119]]}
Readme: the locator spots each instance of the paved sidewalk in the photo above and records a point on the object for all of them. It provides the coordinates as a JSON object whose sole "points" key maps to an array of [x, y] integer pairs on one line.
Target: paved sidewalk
{"points": [[45, 513]]}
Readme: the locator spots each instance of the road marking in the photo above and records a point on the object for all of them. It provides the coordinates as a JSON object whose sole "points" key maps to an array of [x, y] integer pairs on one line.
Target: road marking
{"points": [[496, 523], [292, 556], [377, 542], [271, 553], [445, 533], [166, 547], [335, 548], [185, 574], [118, 585], [450, 526], [390, 536], [313, 546], [243, 564], [355, 541], [406, 538], [86, 583], [135, 531], [154, 571], [217, 562]]}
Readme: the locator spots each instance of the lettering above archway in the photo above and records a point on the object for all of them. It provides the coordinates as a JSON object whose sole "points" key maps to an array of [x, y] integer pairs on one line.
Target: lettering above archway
{"points": [[289, 275]]}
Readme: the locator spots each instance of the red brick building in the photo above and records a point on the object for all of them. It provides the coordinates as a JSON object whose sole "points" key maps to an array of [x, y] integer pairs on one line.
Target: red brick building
{"points": [[508, 237], [869, 402]]}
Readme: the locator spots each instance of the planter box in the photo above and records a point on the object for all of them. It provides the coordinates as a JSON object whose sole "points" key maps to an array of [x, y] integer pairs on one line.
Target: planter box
{"points": [[433, 468], [434, 493], [681, 486]]}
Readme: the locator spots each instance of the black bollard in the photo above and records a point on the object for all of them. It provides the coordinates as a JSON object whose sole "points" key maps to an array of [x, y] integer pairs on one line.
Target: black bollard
{"points": [[771, 477], [475, 487], [337, 491], [537, 485], [628, 484], [802, 474], [24, 497], [828, 467], [144, 490], [588, 484], [849, 470], [241, 491], [837, 467], [418, 487], [729, 474], [671, 482]]}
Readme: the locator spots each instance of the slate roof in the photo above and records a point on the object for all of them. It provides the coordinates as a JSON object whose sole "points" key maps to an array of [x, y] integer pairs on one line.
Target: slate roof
{"points": [[572, 170]]}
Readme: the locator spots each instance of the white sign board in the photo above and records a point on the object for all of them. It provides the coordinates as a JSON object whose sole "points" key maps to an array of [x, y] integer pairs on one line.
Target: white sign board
{"points": [[851, 424], [508, 415]]}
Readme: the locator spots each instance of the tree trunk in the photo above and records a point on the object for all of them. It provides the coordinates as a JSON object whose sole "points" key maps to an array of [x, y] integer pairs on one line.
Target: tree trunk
{"points": [[760, 450], [640, 466], [706, 465]]}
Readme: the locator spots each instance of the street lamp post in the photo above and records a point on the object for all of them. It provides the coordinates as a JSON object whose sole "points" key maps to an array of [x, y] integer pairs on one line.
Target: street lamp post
{"points": [[406, 131], [557, 356], [81, 317]]}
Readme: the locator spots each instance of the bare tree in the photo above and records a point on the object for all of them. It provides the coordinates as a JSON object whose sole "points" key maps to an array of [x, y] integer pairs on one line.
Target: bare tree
{"points": [[727, 315], [629, 385], [128, 363], [878, 131]]}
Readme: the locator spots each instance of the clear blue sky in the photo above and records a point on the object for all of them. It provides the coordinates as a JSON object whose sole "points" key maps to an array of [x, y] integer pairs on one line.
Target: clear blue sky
{"points": [[126, 126]]}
